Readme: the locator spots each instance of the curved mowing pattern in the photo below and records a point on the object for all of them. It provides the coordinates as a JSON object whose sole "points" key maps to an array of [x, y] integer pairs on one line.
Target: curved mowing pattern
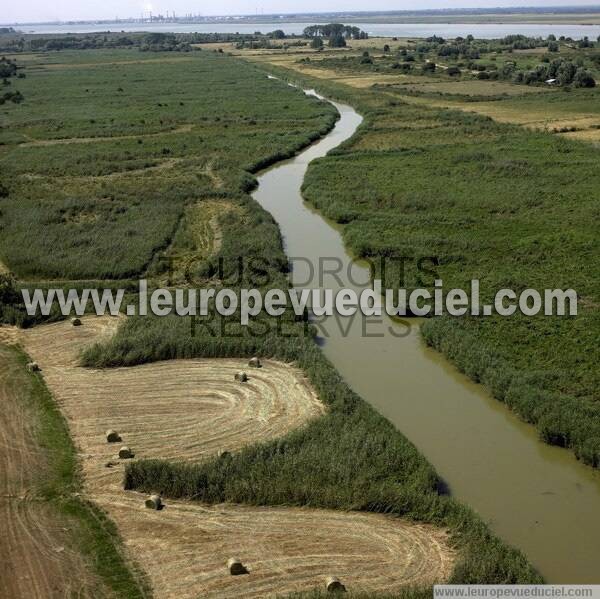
{"points": [[186, 409], [179, 409], [186, 547]]}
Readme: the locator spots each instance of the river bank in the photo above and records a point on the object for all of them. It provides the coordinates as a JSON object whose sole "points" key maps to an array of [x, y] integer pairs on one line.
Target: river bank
{"points": [[530, 493]]}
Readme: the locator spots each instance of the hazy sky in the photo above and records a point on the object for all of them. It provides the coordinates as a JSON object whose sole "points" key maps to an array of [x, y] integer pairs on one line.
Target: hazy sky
{"points": [[42, 10]]}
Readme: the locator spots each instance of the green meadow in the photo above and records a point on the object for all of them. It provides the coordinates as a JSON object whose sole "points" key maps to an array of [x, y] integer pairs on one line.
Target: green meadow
{"points": [[102, 158]]}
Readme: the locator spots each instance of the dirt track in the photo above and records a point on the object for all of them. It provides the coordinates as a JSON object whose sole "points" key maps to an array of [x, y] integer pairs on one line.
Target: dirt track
{"points": [[186, 409], [37, 559]]}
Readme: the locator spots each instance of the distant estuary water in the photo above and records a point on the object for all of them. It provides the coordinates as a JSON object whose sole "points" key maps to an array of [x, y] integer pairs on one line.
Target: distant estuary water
{"points": [[447, 30], [536, 497]]}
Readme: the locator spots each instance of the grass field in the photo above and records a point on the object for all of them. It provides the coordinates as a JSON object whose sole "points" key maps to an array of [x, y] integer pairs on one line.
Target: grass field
{"points": [[68, 215]]}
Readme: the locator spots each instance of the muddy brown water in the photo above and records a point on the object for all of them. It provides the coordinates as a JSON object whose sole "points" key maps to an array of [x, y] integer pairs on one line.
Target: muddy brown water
{"points": [[536, 497]]}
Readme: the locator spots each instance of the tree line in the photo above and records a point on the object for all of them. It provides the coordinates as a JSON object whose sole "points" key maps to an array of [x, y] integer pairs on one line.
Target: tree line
{"points": [[163, 42], [335, 33]]}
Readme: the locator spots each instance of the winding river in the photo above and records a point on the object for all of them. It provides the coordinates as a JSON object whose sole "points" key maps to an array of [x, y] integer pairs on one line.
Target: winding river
{"points": [[536, 497]]}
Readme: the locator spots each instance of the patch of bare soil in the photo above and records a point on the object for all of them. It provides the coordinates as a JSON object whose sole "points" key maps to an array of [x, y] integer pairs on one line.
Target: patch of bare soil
{"points": [[187, 409], [37, 555]]}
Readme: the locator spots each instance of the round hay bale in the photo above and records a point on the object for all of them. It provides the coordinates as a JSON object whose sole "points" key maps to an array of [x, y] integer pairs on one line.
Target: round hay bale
{"points": [[241, 377], [33, 367], [125, 453], [235, 567], [154, 502], [76, 322], [254, 363], [112, 436], [333, 585]]}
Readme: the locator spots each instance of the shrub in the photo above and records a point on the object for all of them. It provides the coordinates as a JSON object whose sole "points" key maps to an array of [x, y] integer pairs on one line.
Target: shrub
{"points": [[583, 78]]}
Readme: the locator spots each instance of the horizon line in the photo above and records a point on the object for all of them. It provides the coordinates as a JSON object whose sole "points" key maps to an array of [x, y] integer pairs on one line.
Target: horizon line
{"points": [[277, 15]]}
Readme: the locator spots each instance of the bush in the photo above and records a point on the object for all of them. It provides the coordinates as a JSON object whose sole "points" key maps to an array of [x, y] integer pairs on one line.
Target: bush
{"points": [[583, 78], [565, 72], [14, 97], [8, 68]]}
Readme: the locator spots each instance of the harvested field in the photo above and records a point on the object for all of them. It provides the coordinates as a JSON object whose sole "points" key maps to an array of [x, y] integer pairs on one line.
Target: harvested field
{"points": [[21, 462], [8, 335], [186, 409], [284, 549], [37, 557], [180, 409]]}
